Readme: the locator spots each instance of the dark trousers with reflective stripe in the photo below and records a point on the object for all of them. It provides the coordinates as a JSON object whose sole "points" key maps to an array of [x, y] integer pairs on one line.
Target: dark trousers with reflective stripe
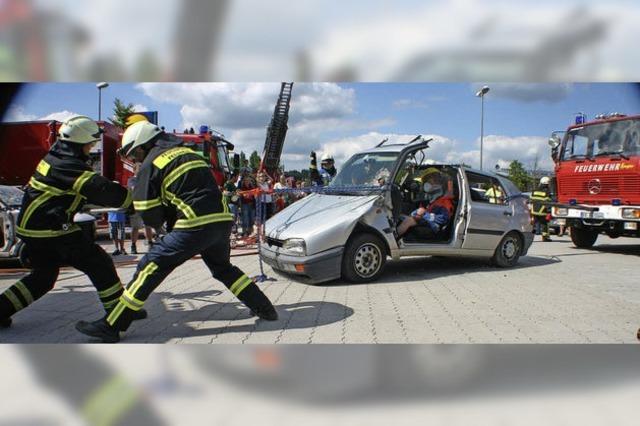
{"points": [[212, 243], [46, 256], [541, 225]]}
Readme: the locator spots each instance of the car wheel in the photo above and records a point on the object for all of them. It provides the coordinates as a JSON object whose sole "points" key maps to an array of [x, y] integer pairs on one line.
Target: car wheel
{"points": [[508, 251], [23, 256], [364, 258], [583, 238]]}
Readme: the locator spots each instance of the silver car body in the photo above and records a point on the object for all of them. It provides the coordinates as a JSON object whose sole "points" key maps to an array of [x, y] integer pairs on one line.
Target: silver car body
{"points": [[325, 223]]}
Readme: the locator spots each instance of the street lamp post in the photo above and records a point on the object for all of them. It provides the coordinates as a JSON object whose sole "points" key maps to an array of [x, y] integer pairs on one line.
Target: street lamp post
{"points": [[480, 93], [100, 86]]}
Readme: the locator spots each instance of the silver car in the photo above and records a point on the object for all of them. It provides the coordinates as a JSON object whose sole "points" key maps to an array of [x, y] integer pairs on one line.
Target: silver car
{"points": [[348, 229]]}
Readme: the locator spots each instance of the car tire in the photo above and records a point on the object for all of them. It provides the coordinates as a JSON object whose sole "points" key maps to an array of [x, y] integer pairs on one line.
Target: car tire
{"points": [[583, 238], [364, 258], [508, 251]]}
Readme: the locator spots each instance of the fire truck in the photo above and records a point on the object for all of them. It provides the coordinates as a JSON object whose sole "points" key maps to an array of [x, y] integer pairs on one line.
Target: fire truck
{"points": [[597, 167], [23, 144]]}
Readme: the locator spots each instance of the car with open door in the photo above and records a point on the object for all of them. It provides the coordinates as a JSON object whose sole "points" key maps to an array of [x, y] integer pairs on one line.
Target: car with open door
{"points": [[349, 228]]}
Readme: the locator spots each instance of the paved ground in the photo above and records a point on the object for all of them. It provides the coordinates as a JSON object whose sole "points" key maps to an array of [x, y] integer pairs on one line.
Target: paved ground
{"points": [[558, 294]]}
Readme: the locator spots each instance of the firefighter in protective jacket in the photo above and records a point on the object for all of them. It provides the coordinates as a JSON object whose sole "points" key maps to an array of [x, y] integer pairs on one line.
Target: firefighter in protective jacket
{"points": [[62, 182], [539, 210], [174, 181]]}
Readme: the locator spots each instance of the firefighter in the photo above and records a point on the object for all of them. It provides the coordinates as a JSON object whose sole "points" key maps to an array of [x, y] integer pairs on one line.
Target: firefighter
{"points": [[539, 210], [174, 181], [327, 168], [327, 171], [63, 181]]}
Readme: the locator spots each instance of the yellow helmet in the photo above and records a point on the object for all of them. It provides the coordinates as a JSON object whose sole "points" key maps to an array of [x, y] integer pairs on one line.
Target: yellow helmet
{"points": [[79, 129], [428, 172], [134, 118], [138, 134]]}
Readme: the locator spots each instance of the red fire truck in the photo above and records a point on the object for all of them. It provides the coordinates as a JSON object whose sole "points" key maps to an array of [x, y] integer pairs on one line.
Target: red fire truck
{"points": [[597, 166], [23, 144]]}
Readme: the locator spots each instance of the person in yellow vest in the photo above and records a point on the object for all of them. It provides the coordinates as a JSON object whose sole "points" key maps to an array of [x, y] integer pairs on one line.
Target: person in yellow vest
{"points": [[539, 210], [175, 185], [495, 195], [59, 187]]}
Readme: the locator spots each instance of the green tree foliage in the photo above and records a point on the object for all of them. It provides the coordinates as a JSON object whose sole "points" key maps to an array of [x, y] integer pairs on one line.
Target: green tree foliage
{"points": [[254, 161], [519, 175], [121, 112]]}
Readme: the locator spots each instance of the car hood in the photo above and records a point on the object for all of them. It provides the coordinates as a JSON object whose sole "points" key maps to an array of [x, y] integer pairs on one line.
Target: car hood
{"points": [[323, 221]]}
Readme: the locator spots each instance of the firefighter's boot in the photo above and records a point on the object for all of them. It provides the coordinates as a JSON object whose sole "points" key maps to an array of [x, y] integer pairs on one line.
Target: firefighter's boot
{"points": [[99, 329], [266, 312]]}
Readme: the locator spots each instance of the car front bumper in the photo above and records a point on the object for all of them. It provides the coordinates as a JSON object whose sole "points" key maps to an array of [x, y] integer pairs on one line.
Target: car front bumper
{"points": [[313, 269]]}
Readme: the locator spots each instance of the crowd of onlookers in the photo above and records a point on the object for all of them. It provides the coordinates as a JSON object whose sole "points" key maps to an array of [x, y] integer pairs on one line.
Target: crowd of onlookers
{"points": [[249, 194], [252, 200]]}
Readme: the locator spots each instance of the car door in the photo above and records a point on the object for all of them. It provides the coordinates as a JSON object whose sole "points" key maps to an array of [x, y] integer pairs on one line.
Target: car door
{"points": [[489, 212]]}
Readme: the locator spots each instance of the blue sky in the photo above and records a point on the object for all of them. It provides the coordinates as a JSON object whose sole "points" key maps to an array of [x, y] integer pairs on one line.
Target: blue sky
{"points": [[342, 118]]}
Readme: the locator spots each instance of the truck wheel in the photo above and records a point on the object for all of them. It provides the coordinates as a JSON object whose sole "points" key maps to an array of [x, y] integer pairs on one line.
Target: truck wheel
{"points": [[583, 238], [508, 251], [363, 259]]}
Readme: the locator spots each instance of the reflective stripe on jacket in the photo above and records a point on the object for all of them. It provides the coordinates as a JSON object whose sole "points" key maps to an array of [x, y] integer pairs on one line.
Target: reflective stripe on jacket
{"points": [[174, 181], [538, 208], [61, 184]]}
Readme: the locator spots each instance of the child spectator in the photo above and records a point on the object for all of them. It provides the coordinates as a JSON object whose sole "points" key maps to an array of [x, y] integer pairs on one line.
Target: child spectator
{"points": [[117, 221]]}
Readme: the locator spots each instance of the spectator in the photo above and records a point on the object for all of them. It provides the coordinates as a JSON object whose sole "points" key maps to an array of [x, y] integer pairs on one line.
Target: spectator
{"points": [[117, 221], [248, 208], [229, 192], [282, 199], [136, 220], [266, 198]]}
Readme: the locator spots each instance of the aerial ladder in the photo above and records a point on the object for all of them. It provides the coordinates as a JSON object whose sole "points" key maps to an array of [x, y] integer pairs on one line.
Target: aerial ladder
{"points": [[276, 133]]}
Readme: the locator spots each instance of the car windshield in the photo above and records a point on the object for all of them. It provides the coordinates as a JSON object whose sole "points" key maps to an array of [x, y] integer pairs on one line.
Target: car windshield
{"points": [[373, 169], [10, 196], [618, 138]]}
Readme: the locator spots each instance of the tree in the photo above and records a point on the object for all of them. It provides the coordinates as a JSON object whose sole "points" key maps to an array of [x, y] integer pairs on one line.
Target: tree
{"points": [[121, 112], [519, 175], [254, 161]]}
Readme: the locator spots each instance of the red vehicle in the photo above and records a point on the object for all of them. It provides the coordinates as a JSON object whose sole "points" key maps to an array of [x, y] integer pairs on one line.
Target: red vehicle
{"points": [[23, 144], [597, 166]]}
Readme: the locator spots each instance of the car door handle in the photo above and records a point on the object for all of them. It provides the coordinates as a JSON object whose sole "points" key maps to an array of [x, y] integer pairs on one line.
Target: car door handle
{"points": [[507, 213]]}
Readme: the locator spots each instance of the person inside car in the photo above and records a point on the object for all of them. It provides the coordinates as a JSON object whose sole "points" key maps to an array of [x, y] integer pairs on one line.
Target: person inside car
{"points": [[439, 209]]}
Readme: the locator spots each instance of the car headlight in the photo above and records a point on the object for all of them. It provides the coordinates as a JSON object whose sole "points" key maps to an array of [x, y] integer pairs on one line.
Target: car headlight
{"points": [[295, 246], [631, 213], [560, 211]]}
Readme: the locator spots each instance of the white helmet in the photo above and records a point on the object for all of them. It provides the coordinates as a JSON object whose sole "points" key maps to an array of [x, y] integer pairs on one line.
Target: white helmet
{"points": [[545, 180], [79, 129], [138, 134], [326, 157]]}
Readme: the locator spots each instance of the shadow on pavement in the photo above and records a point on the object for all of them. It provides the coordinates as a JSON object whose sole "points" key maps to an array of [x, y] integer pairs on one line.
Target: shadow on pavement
{"points": [[425, 268], [183, 320]]}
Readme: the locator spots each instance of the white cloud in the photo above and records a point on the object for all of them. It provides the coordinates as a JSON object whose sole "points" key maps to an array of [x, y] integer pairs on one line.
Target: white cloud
{"points": [[501, 150], [140, 108], [529, 150], [17, 113], [242, 112], [59, 115]]}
